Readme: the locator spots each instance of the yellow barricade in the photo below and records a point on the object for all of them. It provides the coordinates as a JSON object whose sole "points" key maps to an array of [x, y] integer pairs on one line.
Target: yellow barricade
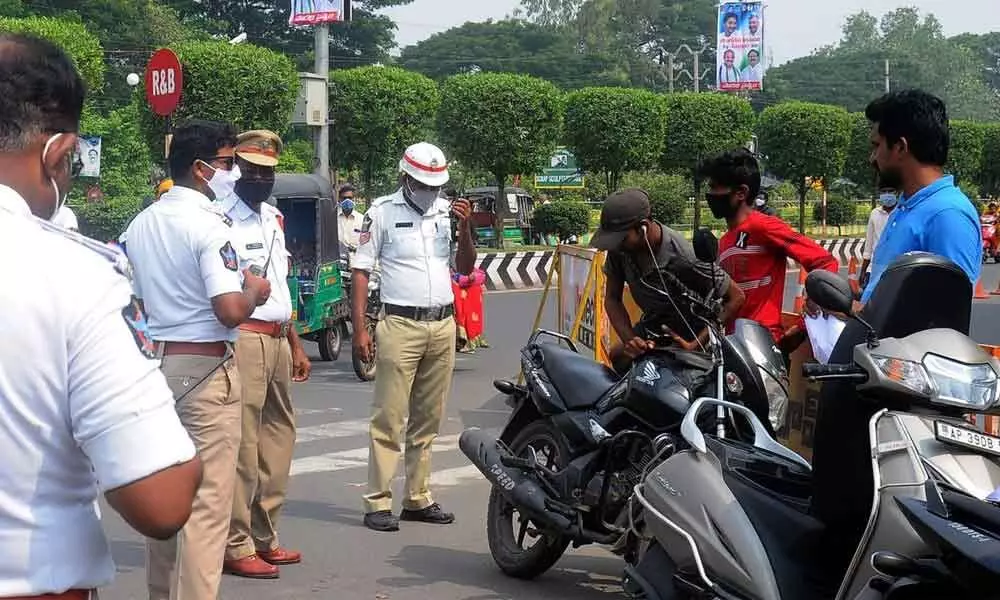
{"points": [[578, 274]]}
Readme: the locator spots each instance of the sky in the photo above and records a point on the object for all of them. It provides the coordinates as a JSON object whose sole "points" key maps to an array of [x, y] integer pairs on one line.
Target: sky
{"points": [[793, 27]]}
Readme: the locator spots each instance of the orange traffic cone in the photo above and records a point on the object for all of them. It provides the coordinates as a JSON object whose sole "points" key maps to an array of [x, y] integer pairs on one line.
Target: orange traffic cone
{"points": [[800, 299], [980, 292], [852, 275]]}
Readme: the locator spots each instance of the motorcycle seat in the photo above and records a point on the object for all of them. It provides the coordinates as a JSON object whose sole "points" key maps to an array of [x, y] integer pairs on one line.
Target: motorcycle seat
{"points": [[581, 381]]}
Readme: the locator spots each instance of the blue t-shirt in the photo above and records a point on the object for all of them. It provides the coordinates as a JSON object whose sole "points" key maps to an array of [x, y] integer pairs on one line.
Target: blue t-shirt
{"points": [[938, 219]]}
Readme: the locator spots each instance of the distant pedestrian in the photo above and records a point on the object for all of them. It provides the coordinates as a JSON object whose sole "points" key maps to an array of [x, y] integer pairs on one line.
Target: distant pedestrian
{"points": [[876, 225], [408, 234]]}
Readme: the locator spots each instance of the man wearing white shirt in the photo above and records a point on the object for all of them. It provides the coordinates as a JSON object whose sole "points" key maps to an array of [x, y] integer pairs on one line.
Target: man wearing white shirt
{"points": [[187, 273], [348, 221], [876, 225], [83, 407], [269, 355], [66, 219], [728, 73], [754, 72]]}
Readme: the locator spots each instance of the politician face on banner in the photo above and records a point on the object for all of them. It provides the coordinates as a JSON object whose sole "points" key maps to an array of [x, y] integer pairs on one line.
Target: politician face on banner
{"points": [[739, 55]]}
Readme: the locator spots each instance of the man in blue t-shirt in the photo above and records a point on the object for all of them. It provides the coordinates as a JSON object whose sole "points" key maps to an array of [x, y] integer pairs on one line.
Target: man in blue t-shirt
{"points": [[910, 140], [909, 149]]}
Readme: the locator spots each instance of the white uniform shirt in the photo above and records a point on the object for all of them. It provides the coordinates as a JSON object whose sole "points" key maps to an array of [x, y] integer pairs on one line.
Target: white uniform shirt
{"points": [[181, 250], [876, 225], [255, 236], [82, 410], [66, 218], [412, 250], [349, 227]]}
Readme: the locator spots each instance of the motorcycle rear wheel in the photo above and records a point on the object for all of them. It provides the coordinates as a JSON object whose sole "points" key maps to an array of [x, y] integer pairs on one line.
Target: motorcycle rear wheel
{"points": [[507, 541]]}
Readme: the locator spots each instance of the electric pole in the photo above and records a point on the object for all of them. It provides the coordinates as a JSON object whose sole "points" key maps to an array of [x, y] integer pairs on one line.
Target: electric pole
{"points": [[322, 40], [887, 90]]}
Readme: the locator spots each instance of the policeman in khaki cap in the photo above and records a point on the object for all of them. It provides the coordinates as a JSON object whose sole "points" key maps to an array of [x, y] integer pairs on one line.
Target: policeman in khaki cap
{"points": [[270, 356], [408, 234]]}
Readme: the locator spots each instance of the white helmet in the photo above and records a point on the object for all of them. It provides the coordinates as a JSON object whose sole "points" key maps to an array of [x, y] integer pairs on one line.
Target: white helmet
{"points": [[425, 163]]}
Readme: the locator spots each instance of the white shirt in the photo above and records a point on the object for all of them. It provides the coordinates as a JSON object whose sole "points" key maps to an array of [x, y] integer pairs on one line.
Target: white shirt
{"points": [[66, 219], [181, 250], [86, 413], [753, 74], [256, 236], [876, 224], [349, 227], [412, 250], [729, 74]]}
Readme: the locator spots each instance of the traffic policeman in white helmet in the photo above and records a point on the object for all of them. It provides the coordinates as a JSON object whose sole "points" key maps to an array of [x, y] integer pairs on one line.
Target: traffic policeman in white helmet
{"points": [[408, 234]]}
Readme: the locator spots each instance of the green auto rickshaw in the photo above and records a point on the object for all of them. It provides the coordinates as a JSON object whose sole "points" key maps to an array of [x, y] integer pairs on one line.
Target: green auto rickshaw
{"points": [[320, 306]]}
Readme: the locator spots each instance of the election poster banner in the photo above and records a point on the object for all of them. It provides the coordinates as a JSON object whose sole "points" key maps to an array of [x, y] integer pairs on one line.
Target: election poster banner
{"points": [[739, 58], [317, 12], [88, 148]]}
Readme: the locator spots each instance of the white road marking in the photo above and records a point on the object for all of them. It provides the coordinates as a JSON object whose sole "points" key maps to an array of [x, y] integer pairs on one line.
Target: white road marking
{"points": [[301, 412], [331, 431], [332, 462], [456, 476]]}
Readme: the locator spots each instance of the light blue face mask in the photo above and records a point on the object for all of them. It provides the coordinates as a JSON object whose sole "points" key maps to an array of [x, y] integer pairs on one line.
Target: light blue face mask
{"points": [[888, 200], [347, 205]]}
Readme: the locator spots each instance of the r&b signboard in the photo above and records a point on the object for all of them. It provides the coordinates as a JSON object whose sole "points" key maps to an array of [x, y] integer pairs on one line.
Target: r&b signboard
{"points": [[164, 81]]}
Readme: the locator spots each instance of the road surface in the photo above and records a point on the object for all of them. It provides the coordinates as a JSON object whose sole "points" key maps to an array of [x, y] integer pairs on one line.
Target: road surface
{"points": [[345, 561]]}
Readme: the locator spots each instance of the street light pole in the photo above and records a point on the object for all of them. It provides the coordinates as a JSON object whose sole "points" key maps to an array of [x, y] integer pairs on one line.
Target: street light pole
{"points": [[696, 73], [322, 41]]}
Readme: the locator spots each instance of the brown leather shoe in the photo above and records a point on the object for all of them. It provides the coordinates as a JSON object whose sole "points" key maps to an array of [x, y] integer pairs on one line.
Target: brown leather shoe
{"points": [[251, 567], [281, 556]]}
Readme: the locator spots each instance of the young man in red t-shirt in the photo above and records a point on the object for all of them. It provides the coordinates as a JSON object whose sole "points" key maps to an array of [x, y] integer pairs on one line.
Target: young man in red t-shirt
{"points": [[757, 247]]}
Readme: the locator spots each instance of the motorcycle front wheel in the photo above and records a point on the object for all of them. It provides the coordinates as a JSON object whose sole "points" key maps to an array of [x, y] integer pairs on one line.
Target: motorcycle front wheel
{"points": [[507, 530]]}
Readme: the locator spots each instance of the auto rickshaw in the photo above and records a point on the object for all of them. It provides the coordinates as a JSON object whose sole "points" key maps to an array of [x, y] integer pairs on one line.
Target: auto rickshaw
{"points": [[320, 307]]}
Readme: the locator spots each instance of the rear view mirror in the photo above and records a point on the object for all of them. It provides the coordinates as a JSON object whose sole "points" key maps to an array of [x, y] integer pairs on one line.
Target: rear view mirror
{"points": [[706, 246], [830, 291]]}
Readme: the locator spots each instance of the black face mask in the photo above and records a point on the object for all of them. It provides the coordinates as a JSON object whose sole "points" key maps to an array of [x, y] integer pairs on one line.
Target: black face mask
{"points": [[721, 205], [254, 191]]}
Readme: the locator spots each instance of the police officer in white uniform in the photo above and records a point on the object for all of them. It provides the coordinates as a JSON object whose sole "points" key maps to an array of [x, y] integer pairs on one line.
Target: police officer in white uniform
{"points": [[187, 274], [83, 407], [269, 355], [408, 234]]}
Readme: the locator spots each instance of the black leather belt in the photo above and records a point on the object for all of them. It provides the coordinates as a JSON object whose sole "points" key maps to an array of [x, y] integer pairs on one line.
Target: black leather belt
{"points": [[421, 313]]}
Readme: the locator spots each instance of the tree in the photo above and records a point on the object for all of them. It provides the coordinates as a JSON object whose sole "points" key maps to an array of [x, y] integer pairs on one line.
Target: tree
{"points": [[501, 123], [965, 156], [989, 172], [246, 85], [82, 46], [699, 126], [378, 112], [858, 164], [510, 46], [803, 140], [840, 211], [551, 13], [614, 130], [563, 218]]}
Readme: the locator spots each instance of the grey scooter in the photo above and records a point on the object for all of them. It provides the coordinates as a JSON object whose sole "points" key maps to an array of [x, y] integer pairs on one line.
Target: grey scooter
{"points": [[731, 520]]}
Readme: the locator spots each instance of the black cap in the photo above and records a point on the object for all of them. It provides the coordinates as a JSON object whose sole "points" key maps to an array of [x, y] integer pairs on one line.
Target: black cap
{"points": [[621, 212]]}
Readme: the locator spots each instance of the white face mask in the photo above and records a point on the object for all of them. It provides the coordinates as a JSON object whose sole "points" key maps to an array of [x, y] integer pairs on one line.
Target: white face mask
{"points": [[888, 200], [223, 183], [60, 196], [423, 199]]}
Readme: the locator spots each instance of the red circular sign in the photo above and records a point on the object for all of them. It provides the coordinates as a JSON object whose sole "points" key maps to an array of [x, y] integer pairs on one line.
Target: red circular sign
{"points": [[164, 80]]}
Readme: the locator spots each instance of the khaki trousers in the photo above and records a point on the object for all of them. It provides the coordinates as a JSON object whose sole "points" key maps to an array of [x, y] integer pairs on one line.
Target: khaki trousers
{"points": [[265, 456], [414, 368], [189, 566]]}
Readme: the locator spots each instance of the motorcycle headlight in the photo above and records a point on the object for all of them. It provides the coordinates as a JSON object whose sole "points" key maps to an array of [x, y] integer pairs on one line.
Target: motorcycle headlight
{"points": [[959, 384], [906, 373], [777, 400]]}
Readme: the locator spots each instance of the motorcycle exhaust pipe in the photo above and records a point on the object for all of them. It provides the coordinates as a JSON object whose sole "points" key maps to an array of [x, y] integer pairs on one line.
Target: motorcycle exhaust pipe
{"points": [[518, 487]]}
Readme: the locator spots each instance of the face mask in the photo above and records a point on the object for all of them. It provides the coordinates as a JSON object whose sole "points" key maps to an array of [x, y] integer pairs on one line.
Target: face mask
{"points": [[721, 205], [759, 202], [223, 183], [423, 199], [347, 205], [888, 200], [254, 191], [60, 196]]}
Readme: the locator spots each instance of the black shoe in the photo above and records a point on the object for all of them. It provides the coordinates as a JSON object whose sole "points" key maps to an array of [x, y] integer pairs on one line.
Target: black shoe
{"points": [[431, 514], [382, 520]]}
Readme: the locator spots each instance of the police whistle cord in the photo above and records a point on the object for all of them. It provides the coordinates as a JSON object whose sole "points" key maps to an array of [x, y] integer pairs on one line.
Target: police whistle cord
{"points": [[228, 355]]}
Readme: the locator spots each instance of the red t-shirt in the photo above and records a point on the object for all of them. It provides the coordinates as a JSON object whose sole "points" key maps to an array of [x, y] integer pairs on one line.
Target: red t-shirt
{"points": [[755, 255]]}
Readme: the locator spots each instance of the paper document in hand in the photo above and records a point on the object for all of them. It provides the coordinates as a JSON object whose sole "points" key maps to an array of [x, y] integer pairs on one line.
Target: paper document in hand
{"points": [[824, 332]]}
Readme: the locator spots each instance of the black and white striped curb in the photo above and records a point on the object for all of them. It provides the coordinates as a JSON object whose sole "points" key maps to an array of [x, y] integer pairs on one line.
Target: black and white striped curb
{"points": [[527, 270]]}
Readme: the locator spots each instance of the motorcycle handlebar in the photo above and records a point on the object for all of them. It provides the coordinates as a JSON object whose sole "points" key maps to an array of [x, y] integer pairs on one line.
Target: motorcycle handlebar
{"points": [[817, 371]]}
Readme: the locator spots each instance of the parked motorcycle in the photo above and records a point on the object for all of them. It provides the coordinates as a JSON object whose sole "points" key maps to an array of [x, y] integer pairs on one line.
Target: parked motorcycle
{"points": [[365, 369], [728, 519], [580, 437]]}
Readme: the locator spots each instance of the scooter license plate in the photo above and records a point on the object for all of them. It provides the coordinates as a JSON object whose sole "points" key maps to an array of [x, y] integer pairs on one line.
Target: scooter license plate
{"points": [[967, 437]]}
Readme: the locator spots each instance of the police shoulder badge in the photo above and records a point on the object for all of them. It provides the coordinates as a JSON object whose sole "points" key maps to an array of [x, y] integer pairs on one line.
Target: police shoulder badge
{"points": [[228, 254], [135, 319]]}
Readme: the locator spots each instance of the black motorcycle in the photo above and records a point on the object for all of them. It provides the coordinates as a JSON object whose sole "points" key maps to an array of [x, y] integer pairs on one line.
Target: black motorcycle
{"points": [[580, 437]]}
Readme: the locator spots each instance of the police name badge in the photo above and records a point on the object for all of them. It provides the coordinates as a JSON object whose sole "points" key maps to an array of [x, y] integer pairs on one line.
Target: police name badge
{"points": [[229, 259]]}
